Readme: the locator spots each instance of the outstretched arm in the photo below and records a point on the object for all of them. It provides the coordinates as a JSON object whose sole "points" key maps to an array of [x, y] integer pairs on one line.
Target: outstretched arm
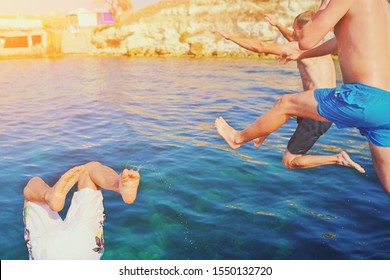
{"points": [[254, 45], [329, 47], [323, 22], [287, 33]]}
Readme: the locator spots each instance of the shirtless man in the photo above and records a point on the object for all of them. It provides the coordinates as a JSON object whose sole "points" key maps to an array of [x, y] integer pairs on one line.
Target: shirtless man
{"points": [[80, 235], [287, 33], [315, 72], [362, 31]]}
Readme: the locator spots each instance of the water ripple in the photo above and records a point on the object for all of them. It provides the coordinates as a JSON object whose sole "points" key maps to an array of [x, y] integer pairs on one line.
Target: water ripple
{"points": [[198, 199]]}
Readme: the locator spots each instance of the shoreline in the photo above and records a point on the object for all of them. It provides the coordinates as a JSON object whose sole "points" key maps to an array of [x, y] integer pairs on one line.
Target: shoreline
{"points": [[179, 56]]}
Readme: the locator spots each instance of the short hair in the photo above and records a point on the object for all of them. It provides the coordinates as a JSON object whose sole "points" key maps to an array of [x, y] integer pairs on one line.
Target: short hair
{"points": [[303, 18]]}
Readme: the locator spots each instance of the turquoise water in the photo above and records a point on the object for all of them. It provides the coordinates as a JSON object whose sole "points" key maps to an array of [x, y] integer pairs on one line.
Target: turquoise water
{"points": [[197, 199]]}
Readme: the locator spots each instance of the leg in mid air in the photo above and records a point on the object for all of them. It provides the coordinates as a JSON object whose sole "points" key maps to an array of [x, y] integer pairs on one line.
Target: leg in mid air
{"points": [[98, 176], [38, 191], [305, 136], [292, 161], [381, 161], [301, 104]]}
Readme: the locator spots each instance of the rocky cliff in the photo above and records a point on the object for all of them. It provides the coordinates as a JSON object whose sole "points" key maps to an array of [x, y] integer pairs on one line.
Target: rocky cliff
{"points": [[185, 27]]}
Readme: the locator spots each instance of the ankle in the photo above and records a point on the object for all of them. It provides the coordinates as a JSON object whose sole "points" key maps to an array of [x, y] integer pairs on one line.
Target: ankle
{"points": [[238, 138], [339, 159]]}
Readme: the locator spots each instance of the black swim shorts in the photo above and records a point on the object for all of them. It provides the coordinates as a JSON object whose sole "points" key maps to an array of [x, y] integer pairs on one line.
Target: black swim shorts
{"points": [[306, 135]]}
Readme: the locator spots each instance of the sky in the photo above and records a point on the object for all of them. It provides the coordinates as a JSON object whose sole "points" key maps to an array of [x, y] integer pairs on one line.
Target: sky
{"points": [[39, 7]]}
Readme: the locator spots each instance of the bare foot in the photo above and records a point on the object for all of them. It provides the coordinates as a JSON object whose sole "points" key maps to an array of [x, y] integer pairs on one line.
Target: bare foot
{"points": [[128, 185], [57, 194], [259, 141], [345, 160], [227, 132]]}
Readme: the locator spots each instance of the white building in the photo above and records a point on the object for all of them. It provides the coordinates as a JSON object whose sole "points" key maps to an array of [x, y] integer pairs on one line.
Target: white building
{"points": [[20, 24], [20, 34], [85, 18]]}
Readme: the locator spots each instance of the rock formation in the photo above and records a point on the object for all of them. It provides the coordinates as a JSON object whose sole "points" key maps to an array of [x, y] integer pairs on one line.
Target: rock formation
{"points": [[185, 27]]}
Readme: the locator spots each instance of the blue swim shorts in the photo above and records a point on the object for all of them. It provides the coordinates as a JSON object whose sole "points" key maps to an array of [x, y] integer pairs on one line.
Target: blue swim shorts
{"points": [[357, 105]]}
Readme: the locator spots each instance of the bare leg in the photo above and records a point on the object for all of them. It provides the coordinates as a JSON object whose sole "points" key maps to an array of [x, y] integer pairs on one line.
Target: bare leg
{"points": [[97, 176], [300, 104], [292, 161], [258, 141], [381, 161], [37, 190]]}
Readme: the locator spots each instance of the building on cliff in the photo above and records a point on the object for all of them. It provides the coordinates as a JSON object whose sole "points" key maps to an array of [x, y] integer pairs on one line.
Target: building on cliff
{"points": [[21, 37], [81, 23], [81, 18]]}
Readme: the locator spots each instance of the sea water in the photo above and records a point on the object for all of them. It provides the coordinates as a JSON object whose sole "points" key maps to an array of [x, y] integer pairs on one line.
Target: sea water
{"points": [[197, 198]]}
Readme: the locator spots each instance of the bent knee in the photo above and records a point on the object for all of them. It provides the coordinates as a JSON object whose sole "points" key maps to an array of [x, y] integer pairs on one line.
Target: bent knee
{"points": [[289, 163], [293, 161], [35, 179], [26, 191], [92, 164], [283, 102]]}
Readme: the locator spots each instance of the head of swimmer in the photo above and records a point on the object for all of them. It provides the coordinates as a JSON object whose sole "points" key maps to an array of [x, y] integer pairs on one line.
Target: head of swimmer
{"points": [[301, 20]]}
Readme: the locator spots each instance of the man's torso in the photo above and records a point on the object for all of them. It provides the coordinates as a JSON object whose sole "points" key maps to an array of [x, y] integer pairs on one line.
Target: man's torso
{"points": [[363, 37]]}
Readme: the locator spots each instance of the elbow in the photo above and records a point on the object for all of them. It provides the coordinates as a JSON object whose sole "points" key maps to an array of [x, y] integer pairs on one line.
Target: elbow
{"points": [[305, 44], [257, 50], [305, 40]]}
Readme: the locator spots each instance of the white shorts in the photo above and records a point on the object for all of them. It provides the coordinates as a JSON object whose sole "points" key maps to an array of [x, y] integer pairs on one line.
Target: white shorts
{"points": [[78, 237]]}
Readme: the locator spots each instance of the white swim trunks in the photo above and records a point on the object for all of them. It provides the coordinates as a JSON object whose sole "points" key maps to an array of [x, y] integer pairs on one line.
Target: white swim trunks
{"points": [[78, 237]]}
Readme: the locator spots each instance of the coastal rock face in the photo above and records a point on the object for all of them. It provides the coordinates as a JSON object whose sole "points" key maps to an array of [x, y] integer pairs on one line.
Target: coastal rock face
{"points": [[185, 27]]}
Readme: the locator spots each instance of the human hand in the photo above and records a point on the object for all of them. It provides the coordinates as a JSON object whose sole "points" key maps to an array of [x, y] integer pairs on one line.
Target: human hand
{"points": [[286, 57], [271, 19]]}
